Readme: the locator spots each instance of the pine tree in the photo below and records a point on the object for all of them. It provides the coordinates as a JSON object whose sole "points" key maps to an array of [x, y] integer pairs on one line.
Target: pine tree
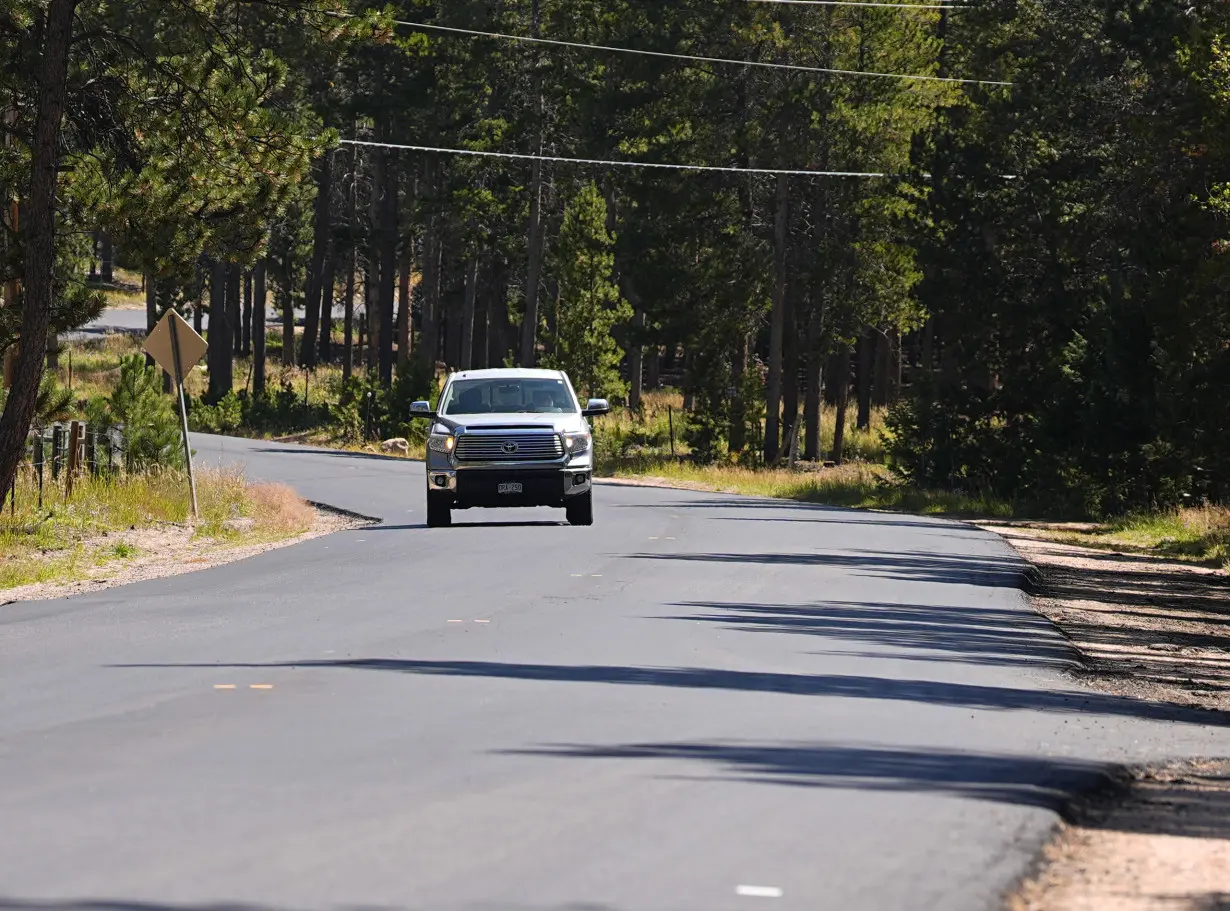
{"points": [[589, 307]]}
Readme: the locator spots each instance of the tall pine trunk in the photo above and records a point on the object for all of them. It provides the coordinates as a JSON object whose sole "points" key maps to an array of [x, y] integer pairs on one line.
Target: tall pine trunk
{"points": [[466, 360], [316, 268], [151, 302], [738, 407], [258, 327], [482, 318], [107, 258], [500, 332], [324, 350], [234, 311], [40, 234], [882, 388], [777, 325], [636, 347], [790, 374], [812, 410], [405, 269], [246, 345], [221, 364], [529, 328], [841, 389], [288, 321], [352, 266], [371, 274], [388, 265], [866, 366], [429, 344]]}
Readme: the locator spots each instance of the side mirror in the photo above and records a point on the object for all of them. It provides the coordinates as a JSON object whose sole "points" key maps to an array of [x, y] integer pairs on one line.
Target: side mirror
{"points": [[596, 407], [421, 410]]}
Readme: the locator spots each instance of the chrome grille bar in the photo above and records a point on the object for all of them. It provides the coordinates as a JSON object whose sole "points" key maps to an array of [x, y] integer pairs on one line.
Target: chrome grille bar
{"points": [[506, 446]]}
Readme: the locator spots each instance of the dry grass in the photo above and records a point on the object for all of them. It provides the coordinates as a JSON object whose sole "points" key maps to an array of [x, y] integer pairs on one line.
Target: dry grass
{"points": [[628, 440], [68, 540], [1198, 534], [856, 485], [92, 367], [279, 508]]}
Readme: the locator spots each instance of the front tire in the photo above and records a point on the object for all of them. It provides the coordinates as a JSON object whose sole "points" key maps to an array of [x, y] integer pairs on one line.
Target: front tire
{"points": [[580, 509], [439, 512]]}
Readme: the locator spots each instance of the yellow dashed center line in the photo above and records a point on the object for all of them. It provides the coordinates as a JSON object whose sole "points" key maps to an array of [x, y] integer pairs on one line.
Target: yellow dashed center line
{"points": [[224, 686], [261, 686]]}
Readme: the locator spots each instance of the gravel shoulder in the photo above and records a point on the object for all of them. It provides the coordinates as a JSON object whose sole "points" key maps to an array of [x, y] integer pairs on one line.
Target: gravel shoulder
{"points": [[1151, 629], [169, 549]]}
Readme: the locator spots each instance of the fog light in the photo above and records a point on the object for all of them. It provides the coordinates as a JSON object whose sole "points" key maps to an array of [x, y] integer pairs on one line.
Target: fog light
{"points": [[578, 480], [441, 481]]}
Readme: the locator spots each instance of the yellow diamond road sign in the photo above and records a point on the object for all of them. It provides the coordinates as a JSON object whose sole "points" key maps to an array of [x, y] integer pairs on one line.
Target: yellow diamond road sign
{"points": [[160, 345]]}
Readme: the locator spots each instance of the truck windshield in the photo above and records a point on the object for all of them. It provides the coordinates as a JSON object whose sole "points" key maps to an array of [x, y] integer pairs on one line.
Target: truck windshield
{"points": [[509, 396]]}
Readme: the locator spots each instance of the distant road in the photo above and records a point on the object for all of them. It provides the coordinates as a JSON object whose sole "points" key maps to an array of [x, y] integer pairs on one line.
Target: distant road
{"points": [[117, 319], [702, 703]]}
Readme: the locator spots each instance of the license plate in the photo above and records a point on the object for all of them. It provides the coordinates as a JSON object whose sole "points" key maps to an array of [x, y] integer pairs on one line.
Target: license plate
{"points": [[509, 487]]}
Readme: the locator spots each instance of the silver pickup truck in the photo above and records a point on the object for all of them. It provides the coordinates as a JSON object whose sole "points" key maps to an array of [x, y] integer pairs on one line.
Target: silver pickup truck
{"points": [[510, 437]]}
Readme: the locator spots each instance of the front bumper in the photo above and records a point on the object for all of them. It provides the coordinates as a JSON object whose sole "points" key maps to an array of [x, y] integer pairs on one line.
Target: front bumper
{"points": [[479, 486]]}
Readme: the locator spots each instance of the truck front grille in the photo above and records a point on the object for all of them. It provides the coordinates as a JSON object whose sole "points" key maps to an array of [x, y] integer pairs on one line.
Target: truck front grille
{"points": [[508, 446]]}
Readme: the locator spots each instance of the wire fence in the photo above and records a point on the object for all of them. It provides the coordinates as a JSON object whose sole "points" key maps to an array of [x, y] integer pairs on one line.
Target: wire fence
{"points": [[59, 453]]}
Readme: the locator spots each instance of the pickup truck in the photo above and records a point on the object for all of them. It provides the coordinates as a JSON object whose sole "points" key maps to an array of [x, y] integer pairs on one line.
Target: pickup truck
{"points": [[509, 438]]}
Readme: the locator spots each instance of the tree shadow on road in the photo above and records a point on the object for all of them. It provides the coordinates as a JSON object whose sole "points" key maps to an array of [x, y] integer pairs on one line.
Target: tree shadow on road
{"points": [[909, 566], [970, 635], [1091, 793], [927, 692], [1025, 780]]}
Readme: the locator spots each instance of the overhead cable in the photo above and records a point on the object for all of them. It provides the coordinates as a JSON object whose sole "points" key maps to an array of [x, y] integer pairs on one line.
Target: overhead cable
{"points": [[617, 164], [474, 33]]}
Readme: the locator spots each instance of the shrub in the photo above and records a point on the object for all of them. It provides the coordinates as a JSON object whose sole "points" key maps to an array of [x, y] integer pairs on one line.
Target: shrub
{"points": [[138, 404], [223, 417]]}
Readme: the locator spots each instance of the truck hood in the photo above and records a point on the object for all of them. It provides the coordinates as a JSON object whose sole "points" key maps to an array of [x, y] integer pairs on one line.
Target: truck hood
{"points": [[560, 423]]}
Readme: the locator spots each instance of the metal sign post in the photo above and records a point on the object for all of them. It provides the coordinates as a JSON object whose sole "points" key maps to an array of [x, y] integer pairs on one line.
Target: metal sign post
{"points": [[183, 415], [173, 345]]}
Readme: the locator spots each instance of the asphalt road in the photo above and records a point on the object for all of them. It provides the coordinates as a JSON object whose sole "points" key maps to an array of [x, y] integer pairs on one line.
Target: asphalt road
{"points": [[701, 703], [133, 321]]}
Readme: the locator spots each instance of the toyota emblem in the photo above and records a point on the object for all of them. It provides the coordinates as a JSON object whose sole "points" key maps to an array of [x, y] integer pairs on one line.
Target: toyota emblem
{"points": [[510, 446]]}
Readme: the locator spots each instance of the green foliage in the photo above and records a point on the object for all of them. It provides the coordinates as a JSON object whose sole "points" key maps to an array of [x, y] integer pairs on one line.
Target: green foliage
{"points": [[146, 414], [224, 416], [54, 403], [1082, 346], [590, 306], [362, 402]]}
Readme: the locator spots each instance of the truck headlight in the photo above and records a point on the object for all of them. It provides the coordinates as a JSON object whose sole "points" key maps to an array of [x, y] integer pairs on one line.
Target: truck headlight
{"points": [[576, 443], [439, 442]]}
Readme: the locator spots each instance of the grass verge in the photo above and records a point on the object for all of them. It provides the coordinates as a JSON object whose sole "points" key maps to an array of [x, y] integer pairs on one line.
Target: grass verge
{"points": [[855, 485], [108, 521], [1196, 534]]}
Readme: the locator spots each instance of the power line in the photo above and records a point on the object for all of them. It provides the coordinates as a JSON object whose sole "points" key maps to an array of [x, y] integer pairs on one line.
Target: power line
{"points": [[605, 163], [689, 57]]}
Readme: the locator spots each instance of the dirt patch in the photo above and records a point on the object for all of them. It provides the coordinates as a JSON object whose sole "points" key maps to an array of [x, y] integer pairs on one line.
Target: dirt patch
{"points": [[169, 549], [1147, 627], [1165, 847], [1152, 629]]}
